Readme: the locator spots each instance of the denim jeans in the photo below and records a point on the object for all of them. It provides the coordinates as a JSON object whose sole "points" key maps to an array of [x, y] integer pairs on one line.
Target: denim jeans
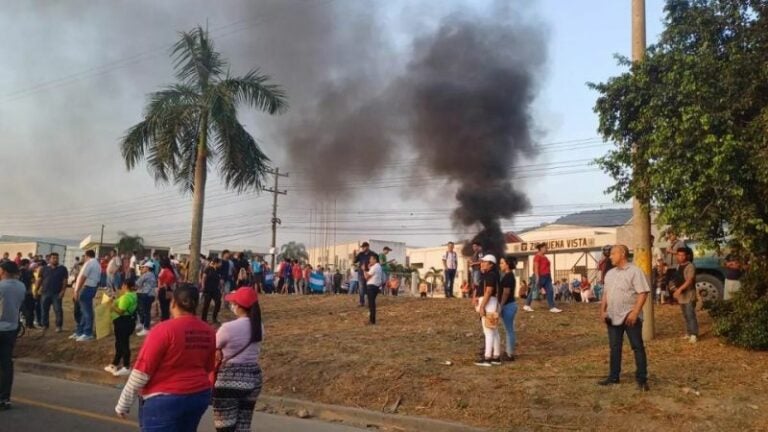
{"points": [[114, 281], [145, 310], [508, 313], [450, 275], [616, 343], [54, 300], [7, 342], [85, 326], [353, 286], [691, 323], [545, 281], [173, 413]]}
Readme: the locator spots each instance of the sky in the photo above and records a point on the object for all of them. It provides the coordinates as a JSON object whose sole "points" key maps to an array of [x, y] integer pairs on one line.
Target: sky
{"points": [[76, 75]]}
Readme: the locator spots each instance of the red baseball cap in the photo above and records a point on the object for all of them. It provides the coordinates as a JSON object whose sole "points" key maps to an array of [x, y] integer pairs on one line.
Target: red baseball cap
{"points": [[243, 297]]}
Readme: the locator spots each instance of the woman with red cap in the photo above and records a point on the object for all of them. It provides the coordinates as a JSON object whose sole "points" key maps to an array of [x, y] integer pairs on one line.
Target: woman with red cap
{"points": [[237, 381]]}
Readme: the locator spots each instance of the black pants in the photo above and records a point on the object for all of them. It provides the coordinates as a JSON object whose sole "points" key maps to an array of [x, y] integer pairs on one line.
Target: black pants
{"points": [[7, 342], [124, 326], [209, 295], [54, 300], [165, 303], [28, 309], [372, 291], [450, 276], [616, 342], [78, 315]]}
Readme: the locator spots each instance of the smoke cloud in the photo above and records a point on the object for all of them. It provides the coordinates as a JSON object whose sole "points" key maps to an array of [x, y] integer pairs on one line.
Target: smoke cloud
{"points": [[462, 105]]}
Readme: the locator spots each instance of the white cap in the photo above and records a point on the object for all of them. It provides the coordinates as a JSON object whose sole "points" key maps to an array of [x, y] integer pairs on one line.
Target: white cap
{"points": [[148, 265], [489, 258]]}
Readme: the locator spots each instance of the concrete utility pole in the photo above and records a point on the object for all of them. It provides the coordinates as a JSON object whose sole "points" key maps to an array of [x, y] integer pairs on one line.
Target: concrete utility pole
{"points": [[275, 221], [641, 210], [101, 240]]}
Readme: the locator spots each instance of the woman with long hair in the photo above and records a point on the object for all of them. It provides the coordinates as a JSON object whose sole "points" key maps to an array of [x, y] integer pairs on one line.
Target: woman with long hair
{"points": [[171, 376], [166, 281], [508, 304], [237, 381]]}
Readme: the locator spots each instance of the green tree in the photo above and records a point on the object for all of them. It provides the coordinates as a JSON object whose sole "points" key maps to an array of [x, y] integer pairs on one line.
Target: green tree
{"points": [[293, 251], [193, 124], [434, 277], [697, 109], [129, 243]]}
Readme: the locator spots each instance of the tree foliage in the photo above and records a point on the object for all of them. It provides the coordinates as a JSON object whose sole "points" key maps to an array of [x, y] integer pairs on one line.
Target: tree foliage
{"points": [[129, 243], [697, 108], [293, 251]]}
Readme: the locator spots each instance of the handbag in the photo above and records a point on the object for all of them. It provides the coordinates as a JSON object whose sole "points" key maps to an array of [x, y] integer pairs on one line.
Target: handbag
{"points": [[491, 320]]}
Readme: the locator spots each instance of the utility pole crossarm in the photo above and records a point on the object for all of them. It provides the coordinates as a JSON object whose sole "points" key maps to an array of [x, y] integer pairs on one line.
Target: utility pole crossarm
{"points": [[275, 191]]}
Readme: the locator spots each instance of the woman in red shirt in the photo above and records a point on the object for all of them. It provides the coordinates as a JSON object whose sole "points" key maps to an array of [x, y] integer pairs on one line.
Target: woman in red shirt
{"points": [[166, 281], [171, 374]]}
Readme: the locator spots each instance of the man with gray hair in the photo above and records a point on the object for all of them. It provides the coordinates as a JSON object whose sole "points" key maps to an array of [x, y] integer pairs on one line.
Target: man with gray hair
{"points": [[621, 308]]}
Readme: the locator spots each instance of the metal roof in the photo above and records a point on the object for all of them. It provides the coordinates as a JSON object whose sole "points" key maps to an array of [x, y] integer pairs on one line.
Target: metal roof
{"points": [[597, 218]]}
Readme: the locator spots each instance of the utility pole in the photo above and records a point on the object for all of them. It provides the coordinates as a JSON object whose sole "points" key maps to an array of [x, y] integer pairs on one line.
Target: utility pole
{"points": [[641, 208], [275, 221], [101, 241]]}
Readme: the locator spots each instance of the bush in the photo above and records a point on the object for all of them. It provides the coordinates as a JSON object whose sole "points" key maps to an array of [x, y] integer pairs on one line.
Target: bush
{"points": [[743, 321]]}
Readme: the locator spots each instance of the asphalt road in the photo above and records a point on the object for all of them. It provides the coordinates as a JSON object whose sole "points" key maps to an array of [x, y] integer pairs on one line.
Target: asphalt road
{"points": [[50, 404]]}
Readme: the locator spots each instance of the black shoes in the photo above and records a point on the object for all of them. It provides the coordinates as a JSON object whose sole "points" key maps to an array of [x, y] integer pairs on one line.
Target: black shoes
{"points": [[643, 387], [608, 382], [5, 405], [507, 358]]}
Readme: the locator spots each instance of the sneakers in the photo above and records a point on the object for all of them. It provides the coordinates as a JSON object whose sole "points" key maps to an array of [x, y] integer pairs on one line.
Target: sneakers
{"points": [[483, 363], [123, 371], [139, 327], [507, 358], [527, 308], [59, 329], [496, 361], [143, 332], [608, 382], [74, 336], [693, 339], [5, 405], [84, 338], [111, 369], [555, 310]]}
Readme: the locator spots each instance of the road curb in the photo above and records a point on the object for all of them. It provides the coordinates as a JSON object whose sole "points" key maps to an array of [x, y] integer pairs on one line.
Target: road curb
{"points": [[275, 404]]}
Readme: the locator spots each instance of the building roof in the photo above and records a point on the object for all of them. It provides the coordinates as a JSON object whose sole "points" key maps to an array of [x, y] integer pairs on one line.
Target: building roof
{"points": [[597, 218], [29, 239]]}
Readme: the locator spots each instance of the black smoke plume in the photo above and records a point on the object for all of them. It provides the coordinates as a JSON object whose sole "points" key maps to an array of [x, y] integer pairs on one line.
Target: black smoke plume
{"points": [[462, 104]]}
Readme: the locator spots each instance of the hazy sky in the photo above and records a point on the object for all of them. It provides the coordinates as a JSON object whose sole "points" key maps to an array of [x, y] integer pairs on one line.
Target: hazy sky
{"points": [[76, 75]]}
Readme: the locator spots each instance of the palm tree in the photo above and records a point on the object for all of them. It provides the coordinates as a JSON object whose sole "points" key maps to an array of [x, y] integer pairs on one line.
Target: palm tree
{"points": [[293, 251], [193, 124], [433, 277], [129, 243]]}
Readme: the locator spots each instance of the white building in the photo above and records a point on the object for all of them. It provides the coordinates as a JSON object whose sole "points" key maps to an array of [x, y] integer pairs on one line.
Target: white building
{"points": [[67, 249], [342, 256]]}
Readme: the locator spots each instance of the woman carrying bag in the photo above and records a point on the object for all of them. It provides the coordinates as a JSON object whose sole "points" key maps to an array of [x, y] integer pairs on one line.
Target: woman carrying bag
{"points": [[488, 308], [237, 377]]}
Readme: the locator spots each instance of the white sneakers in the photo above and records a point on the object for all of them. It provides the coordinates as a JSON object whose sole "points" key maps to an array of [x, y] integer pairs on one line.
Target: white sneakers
{"points": [[527, 308], [84, 338], [74, 336], [123, 371], [142, 333], [555, 310], [693, 339], [139, 327]]}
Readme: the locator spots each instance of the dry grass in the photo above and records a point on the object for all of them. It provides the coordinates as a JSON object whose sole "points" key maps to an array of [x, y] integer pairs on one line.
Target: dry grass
{"points": [[319, 348]]}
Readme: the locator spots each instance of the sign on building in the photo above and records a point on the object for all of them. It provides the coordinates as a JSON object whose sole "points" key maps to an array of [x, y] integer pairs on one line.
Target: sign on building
{"points": [[556, 244]]}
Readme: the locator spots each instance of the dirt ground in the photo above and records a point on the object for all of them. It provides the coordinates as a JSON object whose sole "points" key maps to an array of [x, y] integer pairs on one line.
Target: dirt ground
{"points": [[319, 348]]}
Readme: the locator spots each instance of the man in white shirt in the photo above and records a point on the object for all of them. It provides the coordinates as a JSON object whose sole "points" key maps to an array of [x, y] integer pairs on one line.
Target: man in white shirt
{"points": [[450, 263], [373, 278], [113, 271], [84, 292]]}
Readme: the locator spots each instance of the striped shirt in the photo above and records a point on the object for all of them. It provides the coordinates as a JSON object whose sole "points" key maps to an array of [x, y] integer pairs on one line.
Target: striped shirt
{"points": [[622, 285], [451, 260]]}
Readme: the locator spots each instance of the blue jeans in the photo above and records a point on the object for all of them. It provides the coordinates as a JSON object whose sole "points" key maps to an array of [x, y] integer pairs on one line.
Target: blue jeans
{"points": [[691, 323], [85, 325], [546, 282], [114, 281], [353, 286], [508, 313], [173, 413], [145, 310], [616, 342], [450, 275], [47, 301]]}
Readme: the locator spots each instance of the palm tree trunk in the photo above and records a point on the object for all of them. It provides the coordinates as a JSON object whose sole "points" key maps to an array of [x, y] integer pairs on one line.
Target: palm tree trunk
{"points": [[198, 203]]}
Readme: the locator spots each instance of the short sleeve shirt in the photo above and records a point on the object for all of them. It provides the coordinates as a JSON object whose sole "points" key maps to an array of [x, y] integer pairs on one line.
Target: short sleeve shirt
{"points": [[126, 303], [166, 278], [688, 271], [92, 273], [541, 263], [622, 286], [451, 260], [508, 281], [53, 279]]}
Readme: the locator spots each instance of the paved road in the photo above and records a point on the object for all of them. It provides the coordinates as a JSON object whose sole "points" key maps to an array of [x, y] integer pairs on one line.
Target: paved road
{"points": [[50, 404]]}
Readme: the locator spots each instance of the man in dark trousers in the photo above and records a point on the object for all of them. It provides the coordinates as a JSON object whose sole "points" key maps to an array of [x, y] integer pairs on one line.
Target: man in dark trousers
{"points": [[53, 284], [363, 259], [621, 308], [12, 293]]}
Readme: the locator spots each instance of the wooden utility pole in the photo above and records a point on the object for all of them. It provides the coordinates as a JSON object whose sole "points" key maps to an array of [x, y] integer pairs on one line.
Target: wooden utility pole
{"points": [[275, 221], [641, 209], [101, 241]]}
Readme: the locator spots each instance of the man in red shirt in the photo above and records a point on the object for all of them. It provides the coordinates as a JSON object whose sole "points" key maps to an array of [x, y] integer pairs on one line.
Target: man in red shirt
{"points": [[543, 279]]}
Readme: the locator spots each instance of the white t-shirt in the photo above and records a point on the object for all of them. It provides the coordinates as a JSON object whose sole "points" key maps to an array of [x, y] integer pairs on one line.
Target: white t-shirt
{"points": [[92, 273], [376, 275], [451, 260], [114, 265]]}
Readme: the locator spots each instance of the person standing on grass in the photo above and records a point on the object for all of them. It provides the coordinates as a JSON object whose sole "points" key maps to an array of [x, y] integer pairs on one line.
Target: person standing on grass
{"points": [[146, 289], [297, 274], [257, 269], [488, 308], [212, 286], [384, 262], [586, 289], [171, 375], [450, 264], [166, 281], [84, 292], [238, 379], [474, 265], [114, 266], [12, 293], [734, 269], [28, 307], [373, 278], [542, 279], [621, 308], [508, 304], [53, 285], [685, 291], [123, 311], [362, 259]]}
